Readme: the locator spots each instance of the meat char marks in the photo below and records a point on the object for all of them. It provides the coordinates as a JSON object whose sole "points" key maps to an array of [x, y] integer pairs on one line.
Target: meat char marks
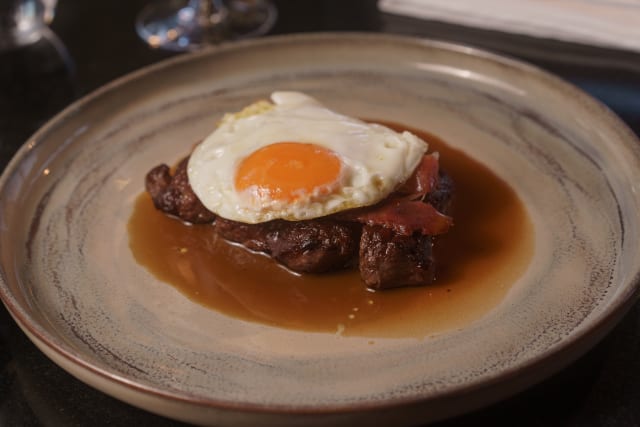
{"points": [[173, 195], [389, 259], [391, 242], [311, 246]]}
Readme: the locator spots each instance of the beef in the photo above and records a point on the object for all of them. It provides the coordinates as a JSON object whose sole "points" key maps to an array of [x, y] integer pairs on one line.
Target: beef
{"points": [[251, 236], [313, 246], [389, 259], [173, 195], [387, 256], [392, 260], [441, 197]]}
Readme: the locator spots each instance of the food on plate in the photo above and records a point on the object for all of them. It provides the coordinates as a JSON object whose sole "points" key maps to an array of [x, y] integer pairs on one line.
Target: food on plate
{"points": [[316, 190]]}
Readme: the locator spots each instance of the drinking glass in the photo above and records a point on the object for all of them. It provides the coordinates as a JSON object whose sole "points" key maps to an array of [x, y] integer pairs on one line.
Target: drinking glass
{"points": [[23, 22], [192, 24]]}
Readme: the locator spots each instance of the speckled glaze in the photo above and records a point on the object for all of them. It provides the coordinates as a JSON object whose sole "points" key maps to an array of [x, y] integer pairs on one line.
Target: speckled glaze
{"points": [[70, 281]]}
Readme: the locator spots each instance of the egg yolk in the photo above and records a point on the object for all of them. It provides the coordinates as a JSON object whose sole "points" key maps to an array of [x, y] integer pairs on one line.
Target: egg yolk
{"points": [[287, 171]]}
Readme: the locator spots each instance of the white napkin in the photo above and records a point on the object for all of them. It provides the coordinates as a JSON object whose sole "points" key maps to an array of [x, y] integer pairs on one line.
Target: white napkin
{"points": [[607, 23]]}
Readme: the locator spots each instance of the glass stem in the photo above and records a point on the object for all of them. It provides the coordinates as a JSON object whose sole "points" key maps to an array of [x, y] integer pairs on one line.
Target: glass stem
{"points": [[208, 12]]}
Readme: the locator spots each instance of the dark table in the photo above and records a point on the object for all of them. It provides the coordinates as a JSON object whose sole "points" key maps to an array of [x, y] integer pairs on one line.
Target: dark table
{"points": [[99, 44]]}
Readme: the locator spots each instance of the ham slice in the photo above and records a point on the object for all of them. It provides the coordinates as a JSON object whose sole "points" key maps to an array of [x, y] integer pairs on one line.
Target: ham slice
{"points": [[424, 179], [404, 211], [403, 216]]}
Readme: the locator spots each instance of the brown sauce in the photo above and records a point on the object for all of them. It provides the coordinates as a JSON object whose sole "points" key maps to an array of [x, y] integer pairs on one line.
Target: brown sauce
{"points": [[478, 260]]}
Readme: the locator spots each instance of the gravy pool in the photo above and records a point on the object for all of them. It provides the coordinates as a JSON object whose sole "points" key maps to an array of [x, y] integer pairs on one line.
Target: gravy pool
{"points": [[485, 252]]}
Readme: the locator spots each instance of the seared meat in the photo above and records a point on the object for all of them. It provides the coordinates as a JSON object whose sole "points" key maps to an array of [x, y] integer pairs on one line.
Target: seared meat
{"points": [[313, 246], [251, 236], [174, 196], [390, 260], [442, 196], [386, 259]]}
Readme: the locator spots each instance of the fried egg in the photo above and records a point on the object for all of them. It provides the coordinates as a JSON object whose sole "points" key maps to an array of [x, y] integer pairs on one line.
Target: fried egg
{"points": [[294, 159]]}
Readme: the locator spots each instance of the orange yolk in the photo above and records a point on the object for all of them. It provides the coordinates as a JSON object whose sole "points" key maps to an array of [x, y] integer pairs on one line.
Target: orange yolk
{"points": [[287, 171]]}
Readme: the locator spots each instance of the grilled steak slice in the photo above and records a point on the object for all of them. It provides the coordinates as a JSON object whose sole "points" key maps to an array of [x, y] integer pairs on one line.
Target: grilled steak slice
{"points": [[251, 236], [315, 246], [173, 195], [386, 259], [390, 260], [441, 196]]}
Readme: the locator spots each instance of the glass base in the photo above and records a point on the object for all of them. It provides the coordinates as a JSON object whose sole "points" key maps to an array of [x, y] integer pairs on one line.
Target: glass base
{"points": [[177, 25]]}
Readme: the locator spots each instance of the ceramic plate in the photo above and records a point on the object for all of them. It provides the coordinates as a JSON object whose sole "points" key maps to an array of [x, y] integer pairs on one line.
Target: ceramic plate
{"points": [[71, 282]]}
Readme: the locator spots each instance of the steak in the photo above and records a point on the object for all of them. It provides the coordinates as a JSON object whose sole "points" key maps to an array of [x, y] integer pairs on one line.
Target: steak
{"points": [[312, 246], [391, 260], [173, 195], [315, 246], [386, 258]]}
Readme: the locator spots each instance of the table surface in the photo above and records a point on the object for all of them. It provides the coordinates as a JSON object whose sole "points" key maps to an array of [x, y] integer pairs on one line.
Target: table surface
{"points": [[98, 44]]}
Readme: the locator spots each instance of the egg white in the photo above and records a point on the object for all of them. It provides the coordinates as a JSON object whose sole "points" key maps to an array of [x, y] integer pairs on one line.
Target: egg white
{"points": [[375, 159]]}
